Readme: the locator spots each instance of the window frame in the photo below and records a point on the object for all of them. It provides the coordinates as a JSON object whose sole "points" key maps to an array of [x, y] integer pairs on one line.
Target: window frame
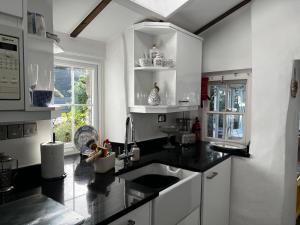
{"points": [[227, 80], [97, 94]]}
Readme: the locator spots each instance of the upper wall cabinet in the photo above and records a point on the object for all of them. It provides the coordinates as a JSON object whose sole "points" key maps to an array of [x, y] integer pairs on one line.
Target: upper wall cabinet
{"points": [[169, 56], [12, 7]]}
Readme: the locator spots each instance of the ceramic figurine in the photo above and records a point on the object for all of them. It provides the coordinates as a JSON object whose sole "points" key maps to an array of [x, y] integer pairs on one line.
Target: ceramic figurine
{"points": [[154, 98]]}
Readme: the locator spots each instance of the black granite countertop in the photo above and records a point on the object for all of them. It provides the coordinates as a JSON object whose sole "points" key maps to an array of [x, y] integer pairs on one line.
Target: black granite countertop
{"points": [[102, 198]]}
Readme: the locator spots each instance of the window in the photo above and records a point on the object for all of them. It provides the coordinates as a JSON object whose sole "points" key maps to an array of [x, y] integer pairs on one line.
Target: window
{"points": [[75, 86], [226, 111], [164, 8]]}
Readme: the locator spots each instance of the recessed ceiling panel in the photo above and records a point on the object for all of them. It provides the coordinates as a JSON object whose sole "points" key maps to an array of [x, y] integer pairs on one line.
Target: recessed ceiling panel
{"points": [[164, 8]]}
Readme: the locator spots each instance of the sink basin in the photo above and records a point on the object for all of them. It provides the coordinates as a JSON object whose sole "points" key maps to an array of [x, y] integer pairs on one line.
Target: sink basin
{"points": [[179, 191], [156, 181]]}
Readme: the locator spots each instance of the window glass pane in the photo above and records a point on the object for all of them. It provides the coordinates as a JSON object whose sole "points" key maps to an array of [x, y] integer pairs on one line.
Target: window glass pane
{"points": [[217, 98], [82, 116], [215, 126], [236, 98], [62, 85], [63, 126], [235, 127], [83, 85]]}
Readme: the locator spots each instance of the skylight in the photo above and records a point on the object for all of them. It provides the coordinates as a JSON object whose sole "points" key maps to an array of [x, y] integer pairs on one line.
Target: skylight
{"points": [[163, 7]]}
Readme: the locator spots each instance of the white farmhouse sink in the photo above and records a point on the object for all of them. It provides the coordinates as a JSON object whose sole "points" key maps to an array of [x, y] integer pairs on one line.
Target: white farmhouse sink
{"points": [[176, 201]]}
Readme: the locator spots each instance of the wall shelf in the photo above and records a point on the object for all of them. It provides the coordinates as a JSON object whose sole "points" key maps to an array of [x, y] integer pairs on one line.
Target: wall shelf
{"points": [[40, 44], [42, 109], [153, 68], [23, 116], [162, 108]]}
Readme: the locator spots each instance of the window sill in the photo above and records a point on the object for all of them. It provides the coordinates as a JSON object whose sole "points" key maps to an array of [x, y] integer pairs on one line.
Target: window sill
{"points": [[70, 151]]}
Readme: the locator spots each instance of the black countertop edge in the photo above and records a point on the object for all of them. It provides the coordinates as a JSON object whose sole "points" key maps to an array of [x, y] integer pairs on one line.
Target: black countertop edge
{"points": [[123, 212], [207, 167], [239, 153]]}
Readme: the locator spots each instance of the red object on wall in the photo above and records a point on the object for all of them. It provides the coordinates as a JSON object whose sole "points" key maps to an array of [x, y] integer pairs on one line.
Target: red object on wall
{"points": [[204, 89]]}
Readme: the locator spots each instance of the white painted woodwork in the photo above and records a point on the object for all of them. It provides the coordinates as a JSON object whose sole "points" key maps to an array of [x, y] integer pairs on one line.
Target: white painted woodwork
{"points": [[178, 200], [183, 82], [215, 203], [162, 109], [192, 219], [12, 7], [188, 65], [141, 216]]}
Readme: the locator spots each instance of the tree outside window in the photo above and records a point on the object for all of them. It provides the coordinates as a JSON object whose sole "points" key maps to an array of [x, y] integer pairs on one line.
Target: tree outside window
{"points": [[74, 91]]}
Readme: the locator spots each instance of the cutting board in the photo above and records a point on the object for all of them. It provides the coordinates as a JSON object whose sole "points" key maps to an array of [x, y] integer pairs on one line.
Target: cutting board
{"points": [[38, 210]]}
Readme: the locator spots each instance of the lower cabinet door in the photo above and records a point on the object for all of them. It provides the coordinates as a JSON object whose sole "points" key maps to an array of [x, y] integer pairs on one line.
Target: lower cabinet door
{"points": [[216, 194], [139, 216], [191, 219]]}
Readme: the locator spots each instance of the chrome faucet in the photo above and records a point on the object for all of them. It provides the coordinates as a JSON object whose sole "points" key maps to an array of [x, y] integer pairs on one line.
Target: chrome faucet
{"points": [[126, 153]]}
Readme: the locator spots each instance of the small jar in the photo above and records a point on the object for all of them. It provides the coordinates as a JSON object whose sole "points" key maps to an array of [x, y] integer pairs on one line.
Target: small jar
{"points": [[158, 61]]}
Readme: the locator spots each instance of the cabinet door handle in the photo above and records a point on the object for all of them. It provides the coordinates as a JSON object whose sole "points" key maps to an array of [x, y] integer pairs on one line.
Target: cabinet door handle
{"points": [[212, 175], [131, 222]]}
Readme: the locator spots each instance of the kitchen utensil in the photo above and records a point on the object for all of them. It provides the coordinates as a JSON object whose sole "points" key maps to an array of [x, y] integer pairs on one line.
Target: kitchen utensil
{"points": [[7, 173], [169, 130], [184, 124], [84, 135]]}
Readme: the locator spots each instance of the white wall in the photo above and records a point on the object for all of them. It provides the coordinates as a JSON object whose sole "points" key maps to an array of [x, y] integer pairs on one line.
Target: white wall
{"points": [[81, 48], [227, 45], [27, 150], [264, 187]]}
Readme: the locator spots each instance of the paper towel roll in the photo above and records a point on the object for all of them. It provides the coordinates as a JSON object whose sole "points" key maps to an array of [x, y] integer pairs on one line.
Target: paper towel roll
{"points": [[52, 159]]}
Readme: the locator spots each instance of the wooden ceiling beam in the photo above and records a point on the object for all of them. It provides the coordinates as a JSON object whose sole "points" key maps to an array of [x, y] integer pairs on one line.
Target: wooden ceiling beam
{"points": [[221, 17], [92, 15]]}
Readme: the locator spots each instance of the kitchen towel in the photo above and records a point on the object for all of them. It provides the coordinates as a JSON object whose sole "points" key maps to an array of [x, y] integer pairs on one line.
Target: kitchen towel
{"points": [[52, 159]]}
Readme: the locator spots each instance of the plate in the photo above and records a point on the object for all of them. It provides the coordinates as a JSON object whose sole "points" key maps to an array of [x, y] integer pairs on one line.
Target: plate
{"points": [[82, 136]]}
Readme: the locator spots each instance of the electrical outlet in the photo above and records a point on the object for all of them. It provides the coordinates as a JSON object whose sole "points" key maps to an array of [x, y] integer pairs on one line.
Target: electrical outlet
{"points": [[15, 131], [3, 132], [161, 118], [30, 129]]}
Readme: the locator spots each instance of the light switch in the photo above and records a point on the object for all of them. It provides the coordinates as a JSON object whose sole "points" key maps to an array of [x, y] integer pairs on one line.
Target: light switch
{"points": [[30, 129], [3, 132], [15, 131]]}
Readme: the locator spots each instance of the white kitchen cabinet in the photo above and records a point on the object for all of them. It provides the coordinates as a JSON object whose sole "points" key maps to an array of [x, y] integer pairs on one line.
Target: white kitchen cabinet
{"points": [[192, 219], [139, 216], [188, 66], [179, 85], [12, 7], [216, 194]]}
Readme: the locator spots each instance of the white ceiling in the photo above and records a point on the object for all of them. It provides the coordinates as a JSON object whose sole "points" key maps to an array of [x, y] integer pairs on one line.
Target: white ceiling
{"points": [[115, 17]]}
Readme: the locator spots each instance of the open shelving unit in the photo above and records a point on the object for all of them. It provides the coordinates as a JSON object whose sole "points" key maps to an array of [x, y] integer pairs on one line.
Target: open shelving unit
{"points": [[167, 38]]}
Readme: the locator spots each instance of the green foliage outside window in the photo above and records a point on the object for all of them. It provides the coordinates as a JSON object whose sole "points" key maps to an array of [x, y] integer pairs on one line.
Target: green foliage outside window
{"points": [[63, 125]]}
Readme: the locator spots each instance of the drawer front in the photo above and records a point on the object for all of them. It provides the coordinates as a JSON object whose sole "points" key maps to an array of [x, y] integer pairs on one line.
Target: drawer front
{"points": [[139, 216]]}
